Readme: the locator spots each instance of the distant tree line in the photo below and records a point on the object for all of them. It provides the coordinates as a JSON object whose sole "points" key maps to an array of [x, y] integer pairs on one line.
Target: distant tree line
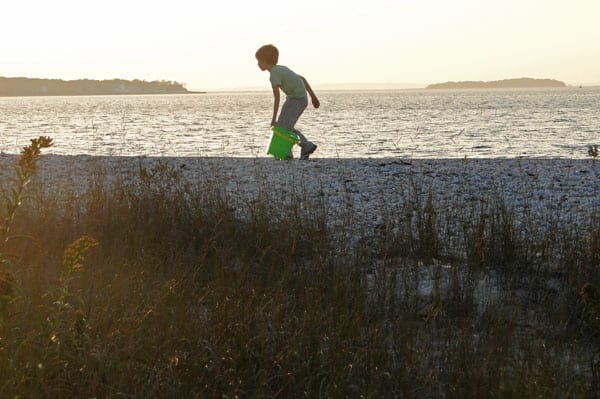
{"points": [[499, 84], [59, 87]]}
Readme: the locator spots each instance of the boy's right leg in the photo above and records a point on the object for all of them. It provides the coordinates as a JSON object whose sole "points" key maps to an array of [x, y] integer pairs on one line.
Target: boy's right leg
{"points": [[308, 148]]}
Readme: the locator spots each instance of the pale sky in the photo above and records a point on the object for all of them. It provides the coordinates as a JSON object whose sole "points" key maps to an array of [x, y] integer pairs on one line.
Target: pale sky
{"points": [[210, 45]]}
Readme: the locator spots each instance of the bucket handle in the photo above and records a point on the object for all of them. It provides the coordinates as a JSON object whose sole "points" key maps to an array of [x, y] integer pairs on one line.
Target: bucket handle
{"points": [[285, 137]]}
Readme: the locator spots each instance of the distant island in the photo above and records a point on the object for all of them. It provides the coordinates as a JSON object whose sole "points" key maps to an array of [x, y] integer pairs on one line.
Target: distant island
{"points": [[59, 87], [499, 84]]}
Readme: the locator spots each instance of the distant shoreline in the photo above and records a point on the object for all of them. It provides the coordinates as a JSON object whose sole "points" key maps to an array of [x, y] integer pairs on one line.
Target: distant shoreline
{"points": [[34, 87], [100, 94], [521, 83]]}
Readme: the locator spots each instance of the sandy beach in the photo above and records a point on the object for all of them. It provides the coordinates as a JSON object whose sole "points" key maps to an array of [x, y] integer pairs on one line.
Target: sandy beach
{"points": [[362, 199], [368, 189]]}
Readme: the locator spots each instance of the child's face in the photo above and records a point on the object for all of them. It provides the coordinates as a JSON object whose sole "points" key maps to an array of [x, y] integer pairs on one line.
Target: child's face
{"points": [[263, 65]]}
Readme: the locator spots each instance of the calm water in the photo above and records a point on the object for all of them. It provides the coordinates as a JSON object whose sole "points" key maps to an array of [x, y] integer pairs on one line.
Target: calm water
{"points": [[419, 124]]}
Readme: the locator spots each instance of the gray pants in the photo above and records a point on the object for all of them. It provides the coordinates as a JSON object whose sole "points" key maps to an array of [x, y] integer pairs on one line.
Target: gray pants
{"points": [[290, 112]]}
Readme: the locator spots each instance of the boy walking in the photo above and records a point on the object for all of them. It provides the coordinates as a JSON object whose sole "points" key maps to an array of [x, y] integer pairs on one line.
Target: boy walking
{"points": [[295, 88]]}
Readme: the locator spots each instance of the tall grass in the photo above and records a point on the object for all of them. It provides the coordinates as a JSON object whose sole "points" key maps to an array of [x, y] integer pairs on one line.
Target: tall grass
{"points": [[177, 295]]}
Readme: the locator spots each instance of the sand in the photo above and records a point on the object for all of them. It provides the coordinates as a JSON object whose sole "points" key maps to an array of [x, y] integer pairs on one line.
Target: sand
{"points": [[365, 191]]}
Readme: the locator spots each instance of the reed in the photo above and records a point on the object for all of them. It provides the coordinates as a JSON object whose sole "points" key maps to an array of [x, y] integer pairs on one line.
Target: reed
{"points": [[179, 294]]}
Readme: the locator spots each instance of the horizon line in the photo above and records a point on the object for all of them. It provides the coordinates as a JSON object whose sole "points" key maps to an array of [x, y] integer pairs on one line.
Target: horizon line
{"points": [[320, 86], [354, 86]]}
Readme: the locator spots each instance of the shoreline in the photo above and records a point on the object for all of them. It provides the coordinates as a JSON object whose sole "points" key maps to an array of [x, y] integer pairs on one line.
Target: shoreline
{"points": [[370, 189], [105, 94]]}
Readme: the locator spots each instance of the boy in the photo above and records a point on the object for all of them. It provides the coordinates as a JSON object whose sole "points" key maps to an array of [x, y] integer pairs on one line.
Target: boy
{"points": [[295, 87]]}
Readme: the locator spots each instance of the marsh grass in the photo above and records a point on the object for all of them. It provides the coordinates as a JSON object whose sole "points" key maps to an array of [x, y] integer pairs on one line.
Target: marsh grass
{"points": [[177, 295]]}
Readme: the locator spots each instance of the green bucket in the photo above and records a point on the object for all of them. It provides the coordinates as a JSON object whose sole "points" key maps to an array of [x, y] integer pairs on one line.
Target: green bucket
{"points": [[282, 142]]}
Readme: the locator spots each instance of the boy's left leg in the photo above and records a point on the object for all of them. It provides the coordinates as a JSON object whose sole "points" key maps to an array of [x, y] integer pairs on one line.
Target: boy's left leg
{"points": [[291, 110], [290, 113]]}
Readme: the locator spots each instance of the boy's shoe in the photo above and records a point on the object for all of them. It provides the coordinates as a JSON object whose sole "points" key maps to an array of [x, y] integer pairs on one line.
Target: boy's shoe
{"points": [[289, 156], [307, 149]]}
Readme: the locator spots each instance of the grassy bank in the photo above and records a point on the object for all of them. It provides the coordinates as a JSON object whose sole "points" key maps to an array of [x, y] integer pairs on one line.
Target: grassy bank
{"points": [[158, 288]]}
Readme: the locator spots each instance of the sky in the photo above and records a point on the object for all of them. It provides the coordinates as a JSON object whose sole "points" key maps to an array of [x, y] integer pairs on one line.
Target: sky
{"points": [[210, 45]]}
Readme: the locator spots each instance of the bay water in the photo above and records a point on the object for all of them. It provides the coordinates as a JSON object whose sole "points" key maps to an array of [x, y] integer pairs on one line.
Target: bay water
{"points": [[537, 123]]}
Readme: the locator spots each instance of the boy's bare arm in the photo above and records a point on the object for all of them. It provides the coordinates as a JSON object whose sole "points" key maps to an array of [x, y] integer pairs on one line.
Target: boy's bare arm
{"points": [[313, 96], [276, 99]]}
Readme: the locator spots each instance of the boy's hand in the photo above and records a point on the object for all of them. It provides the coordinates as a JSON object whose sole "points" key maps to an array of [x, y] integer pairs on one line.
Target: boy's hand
{"points": [[315, 102], [273, 122]]}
